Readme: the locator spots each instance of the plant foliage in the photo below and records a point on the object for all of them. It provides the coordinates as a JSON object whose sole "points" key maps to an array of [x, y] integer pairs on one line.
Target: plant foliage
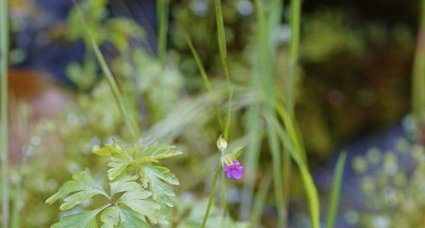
{"points": [[139, 193]]}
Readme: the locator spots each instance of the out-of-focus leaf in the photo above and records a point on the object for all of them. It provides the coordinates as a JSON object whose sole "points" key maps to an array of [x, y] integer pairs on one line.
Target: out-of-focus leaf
{"points": [[131, 219], [84, 219], [122, 217], [156, 178], [158, 152], [111, 217], [125, 184], [81, 188], [118, 165], [162, 173], [108, 150], [138, 201]]}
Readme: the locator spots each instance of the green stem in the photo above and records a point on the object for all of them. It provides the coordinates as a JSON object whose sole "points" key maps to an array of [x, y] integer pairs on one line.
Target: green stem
{"points": [[223, 197], [4, 50], [418, 81], [211, 197], [297, 152], [293, 50], [336, 190], [287, 167], [119, 99], [204, 77], [221, 37], [277, 174], [162, 11], [229, 114], [260, 198]]}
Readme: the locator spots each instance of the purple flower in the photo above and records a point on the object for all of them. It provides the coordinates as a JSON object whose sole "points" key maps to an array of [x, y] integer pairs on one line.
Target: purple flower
{"points": [[234, 170]]}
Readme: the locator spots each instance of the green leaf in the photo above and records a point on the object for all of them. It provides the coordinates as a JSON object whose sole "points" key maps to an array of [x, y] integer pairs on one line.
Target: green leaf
{"points": [[125, 184], [157, 177], [84, 219], [130, 219], [162, 173], [108, 149], [118, 165], [158, 152], [82, 185], [111, 217], [120, 158], [138, 201], [122, 217]]}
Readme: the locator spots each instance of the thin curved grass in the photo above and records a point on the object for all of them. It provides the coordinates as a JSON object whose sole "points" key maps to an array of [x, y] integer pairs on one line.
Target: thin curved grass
{"points": [[119, 98]]}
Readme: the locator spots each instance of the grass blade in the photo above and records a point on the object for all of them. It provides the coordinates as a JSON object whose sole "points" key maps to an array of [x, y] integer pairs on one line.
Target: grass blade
{"points": [[277, 167], [211, 197], [221, 37], [119, 99], [418, 79], [292, 141], [260, 199], [162, 12], [254, 125], [204, 77], [293, 49], [229, 114], [336, 190], [4, 50], [223, 197]]}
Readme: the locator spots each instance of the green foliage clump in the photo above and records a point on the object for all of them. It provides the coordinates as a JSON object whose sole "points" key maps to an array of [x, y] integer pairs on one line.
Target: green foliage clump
{"points": [[139, 192]]}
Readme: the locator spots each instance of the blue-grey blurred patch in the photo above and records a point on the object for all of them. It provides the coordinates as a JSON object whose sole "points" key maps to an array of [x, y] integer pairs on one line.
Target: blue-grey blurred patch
{"points": [[365, 158], [51, 52]]}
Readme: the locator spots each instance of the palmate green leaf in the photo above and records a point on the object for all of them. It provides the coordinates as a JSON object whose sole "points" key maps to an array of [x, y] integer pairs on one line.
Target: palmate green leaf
{"points": [[138, 201], [157, 152], [111, 217], [84, 219], [81, 188], [112, 149], [119, 161], [125, 184], [162, 173], [158, 178], [118, 164], [122, 217]]}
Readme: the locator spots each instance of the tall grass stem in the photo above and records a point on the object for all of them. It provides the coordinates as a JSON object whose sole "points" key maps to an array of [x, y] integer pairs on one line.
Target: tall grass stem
{"points": [[418, 77], [260, 199], [4, 148], [295, 21], [119, 99], [162, 13], [211, 197], [336, 190]]}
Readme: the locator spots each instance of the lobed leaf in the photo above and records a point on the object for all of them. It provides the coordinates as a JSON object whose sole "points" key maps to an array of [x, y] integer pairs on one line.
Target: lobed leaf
{"points": [[111, 217], [125, 184], [122, 217], [138, 201], [84, 219], [79, 189], [118, 164], [108, 150], [158, 178], [162, 173], [158, 152]]}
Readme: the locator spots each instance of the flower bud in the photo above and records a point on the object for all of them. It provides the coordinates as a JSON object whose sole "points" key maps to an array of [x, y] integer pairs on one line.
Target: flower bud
{"points": [[221, 144]]}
